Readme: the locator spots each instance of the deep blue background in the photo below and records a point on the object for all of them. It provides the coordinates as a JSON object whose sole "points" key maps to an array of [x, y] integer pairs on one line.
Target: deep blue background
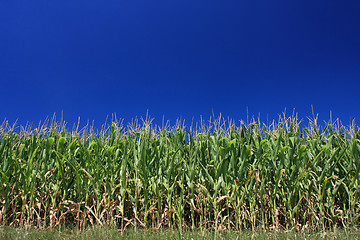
{"points": [[178, 58]]}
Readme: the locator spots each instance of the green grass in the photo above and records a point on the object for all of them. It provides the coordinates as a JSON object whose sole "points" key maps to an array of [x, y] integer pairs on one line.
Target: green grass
{"points": [[285, 176], [113, 234]]}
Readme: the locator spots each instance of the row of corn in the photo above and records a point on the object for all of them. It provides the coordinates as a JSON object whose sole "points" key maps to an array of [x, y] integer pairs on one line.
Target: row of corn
{"points": [[218, 176]]}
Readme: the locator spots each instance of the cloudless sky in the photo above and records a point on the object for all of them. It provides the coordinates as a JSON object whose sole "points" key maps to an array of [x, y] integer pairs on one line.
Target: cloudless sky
{"points": [[178, 58]]}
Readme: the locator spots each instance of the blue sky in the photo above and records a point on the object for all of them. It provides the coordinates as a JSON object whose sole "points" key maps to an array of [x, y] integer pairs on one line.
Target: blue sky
{"points": [[178, 58]]}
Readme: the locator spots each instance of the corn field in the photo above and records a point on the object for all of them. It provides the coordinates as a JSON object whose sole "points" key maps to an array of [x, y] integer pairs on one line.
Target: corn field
{"points": [[214, 176]]}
